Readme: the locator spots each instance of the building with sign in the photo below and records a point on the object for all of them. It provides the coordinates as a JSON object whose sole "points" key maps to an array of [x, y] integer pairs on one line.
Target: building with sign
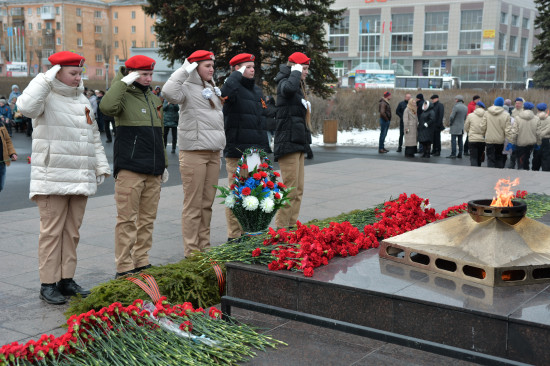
{"points": [[484, 43]]}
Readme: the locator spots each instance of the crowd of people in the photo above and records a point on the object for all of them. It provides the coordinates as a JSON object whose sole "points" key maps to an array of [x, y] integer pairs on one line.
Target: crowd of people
{"points": [[207, 123], [504, 136]]}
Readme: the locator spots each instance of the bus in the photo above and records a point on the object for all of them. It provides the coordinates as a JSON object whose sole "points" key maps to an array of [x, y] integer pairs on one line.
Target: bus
{"points": [[427, 82]]}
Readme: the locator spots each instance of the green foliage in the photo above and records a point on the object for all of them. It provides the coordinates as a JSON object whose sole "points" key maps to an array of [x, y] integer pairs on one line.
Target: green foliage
{"points": [[541, 52], [269, 29], [188, 280], [538, 205], [358, 218]]}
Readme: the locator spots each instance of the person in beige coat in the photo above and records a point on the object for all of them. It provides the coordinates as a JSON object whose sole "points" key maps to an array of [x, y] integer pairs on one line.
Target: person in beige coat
{"points": [[8, 153], [201, 139], [541, 154], [475, 126], [526, 134], [498, 129], [410, 125]]}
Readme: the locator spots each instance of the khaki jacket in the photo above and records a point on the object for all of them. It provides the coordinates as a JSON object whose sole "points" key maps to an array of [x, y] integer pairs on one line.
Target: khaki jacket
{"points": [[7, 146], [475, 125], [498, 127], [526, 129], [544, 125]]}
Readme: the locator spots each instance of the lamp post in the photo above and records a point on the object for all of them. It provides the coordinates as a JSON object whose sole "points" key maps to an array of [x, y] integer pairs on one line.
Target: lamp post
{"points": [[106, 77]]}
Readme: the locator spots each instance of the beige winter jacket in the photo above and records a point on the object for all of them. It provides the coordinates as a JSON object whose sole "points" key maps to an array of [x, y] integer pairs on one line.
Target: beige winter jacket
{"points": [[475, 125], [200, 126], [497, 124], [544, 125], [526, 129]]}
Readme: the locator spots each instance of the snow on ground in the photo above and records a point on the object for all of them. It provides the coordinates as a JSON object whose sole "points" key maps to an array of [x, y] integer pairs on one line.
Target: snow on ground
{"points": [[369, 138]]}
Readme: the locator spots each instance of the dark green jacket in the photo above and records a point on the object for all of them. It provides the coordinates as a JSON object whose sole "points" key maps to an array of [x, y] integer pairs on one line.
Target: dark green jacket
{"points": [[139, 145]]}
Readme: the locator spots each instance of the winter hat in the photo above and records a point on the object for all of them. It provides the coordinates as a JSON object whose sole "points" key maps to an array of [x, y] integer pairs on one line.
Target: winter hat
{"points": [[14, 86], [508, 102], [499, 102], [528, 105], [3, 101], [542, 107], [387, 94], [476, 97], [200, 55], [140, 62], [66, 58], [299, 58], [240, 58], [420, 96], [435, 96], [480, 104], [520, 99], [460, 98]]}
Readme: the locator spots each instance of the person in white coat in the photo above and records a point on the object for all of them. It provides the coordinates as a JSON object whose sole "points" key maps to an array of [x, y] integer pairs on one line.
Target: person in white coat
{"points": [[68, 162], [201, 139]]}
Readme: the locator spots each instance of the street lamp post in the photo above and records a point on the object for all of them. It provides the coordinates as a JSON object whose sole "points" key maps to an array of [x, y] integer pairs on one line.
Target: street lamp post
{"points": [[106, 77]]}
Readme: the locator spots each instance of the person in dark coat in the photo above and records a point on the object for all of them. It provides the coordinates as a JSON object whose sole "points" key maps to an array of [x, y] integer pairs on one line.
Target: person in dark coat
{"points": [[292, 135], [401, 107], [439, 110], [270, 114], [426, 126], [170, 120], [244, 122], [385, 119]]}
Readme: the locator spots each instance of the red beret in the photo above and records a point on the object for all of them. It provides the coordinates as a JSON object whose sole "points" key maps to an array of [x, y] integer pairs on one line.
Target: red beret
{"points": [[240, 58], [66, 58], [299, 58], [200, 55], [140, 62]]}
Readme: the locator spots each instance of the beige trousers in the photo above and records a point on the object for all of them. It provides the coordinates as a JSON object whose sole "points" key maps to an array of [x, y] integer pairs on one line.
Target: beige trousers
{"points": [[60, 220], [234, 229], [137, 196], [199, 173], [292, 173]]}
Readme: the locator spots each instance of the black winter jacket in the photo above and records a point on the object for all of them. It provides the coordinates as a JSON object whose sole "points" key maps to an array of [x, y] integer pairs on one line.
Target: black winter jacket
{"points": [[439, 111], [243, 116], [426, 125], [401, 110], [292, 134]]}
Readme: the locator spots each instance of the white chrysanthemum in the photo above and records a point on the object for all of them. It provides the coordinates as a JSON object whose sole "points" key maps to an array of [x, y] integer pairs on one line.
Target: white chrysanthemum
{"points": [[207, 93], [230, 201], [424, 206], [250, 203], [267, 205], [217, 91]]}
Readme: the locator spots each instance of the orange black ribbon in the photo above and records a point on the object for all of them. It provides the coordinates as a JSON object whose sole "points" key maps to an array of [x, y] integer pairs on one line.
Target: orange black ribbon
{"points": [[219, 276], [88, 118], [152, 289], [263, 103], [159, 113]]}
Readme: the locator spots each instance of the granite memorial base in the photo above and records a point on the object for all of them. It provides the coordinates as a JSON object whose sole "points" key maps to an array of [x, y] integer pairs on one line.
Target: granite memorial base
{"points": [[371, 296]]}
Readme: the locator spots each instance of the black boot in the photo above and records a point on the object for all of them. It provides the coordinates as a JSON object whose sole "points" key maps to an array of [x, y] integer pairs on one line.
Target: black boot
{"points": [[122, 274], [50, 293], [68, 287], [142, 268]]}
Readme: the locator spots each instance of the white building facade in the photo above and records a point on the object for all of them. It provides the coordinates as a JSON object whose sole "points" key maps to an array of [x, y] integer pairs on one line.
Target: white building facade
{"points": [[483, 43]]}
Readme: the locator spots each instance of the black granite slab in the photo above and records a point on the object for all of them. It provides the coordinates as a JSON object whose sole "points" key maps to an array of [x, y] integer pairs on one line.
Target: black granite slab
{"points": [[510, 322]]}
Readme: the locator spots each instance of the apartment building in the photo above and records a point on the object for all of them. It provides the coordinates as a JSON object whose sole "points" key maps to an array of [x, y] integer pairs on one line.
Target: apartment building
{"points": [[103, 31], [481, 42]]}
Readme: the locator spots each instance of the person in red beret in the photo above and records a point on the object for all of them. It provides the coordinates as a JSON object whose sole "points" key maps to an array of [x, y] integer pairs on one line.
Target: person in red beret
{"points": [[243, 112], [201, 139], [68, 162], [140, 161], [293, 135]]}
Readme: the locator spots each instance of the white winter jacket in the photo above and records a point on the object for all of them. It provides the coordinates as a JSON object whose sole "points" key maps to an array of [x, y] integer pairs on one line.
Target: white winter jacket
{"points": [[67, 154], [200, 126]]}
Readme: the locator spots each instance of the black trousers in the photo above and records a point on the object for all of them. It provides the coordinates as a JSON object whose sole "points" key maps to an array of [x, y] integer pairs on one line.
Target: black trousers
{"points": [[466, 145], [524, 155], [545, 155], [477, 149], [495, 157], [436, 148], [401, 132], [174, 136]]}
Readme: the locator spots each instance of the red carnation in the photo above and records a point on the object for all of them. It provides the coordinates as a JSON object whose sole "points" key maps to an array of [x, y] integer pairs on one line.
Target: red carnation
{"points": [[277, 196], [256, 252], [270, 184], [246, 191], [244, 166], [308, 272], [257, 176], [281, 185], [263, 174], [232, 187], [276, 174]]}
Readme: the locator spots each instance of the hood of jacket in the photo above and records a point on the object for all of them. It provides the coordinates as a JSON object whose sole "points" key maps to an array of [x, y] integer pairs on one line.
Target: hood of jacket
{"points": [[284, 72], [542, 116], [430, 106], [495, 110], [479, 112], [526, 114]]}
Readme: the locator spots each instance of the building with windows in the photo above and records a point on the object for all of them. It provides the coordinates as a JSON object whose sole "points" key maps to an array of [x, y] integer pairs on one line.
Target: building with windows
{"points": [[103, 31], [484, 43]]}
